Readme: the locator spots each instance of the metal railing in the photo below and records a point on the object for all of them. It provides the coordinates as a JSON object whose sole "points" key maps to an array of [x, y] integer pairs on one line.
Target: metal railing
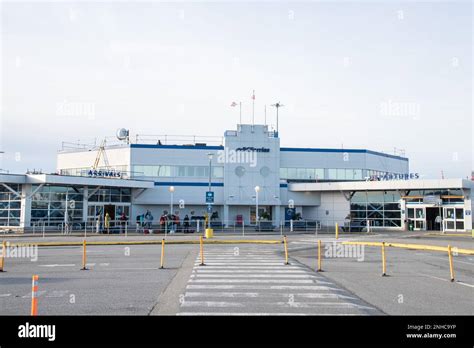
{"points": [[150, 139]]}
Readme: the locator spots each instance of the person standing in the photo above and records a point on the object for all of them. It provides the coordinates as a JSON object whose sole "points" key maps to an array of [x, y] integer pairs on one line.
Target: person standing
{"points": [[186, 224], [107, 222], [123, 221]]}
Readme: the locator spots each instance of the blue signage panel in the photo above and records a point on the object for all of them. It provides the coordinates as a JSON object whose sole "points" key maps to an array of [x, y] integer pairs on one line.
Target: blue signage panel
{"points": [[209, 197]]}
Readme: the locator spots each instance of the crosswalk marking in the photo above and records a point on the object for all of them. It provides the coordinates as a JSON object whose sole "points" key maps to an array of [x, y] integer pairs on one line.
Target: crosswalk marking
{"points": [[256, 281]]}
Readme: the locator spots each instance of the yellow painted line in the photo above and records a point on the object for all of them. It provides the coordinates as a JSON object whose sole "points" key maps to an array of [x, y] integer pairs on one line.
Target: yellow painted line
{"points": [[150, 242], [449, 234], [415, 247]]}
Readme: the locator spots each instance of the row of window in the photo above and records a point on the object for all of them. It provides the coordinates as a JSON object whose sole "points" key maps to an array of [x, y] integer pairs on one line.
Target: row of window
{"points": [[177, 171], [323, 174]]}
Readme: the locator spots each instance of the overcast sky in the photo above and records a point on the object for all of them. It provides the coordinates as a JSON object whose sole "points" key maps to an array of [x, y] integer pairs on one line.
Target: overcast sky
{"points": [[377, 75]]}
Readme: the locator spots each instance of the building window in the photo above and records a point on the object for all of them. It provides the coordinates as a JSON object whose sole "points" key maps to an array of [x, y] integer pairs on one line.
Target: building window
{"points": [[380, 208], [52, 205], [10, 205]]}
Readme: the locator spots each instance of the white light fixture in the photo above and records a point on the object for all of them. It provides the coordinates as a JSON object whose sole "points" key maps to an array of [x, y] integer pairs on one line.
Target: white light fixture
{"points": [[171, 188], [257, 188]]}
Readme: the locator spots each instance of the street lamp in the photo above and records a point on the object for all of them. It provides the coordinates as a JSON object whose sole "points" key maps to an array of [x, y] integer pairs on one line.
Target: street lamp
{"points": [[209, 206], [277, 106], [171, 189], [257, 189]]}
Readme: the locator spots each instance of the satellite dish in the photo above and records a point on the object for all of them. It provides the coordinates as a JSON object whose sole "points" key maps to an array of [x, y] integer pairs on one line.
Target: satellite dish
{"points": [[122, 134]]}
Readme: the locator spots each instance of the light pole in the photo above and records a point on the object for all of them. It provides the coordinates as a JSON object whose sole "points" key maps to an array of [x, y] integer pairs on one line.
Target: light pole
{"points": [[277, 106], [171, 189], [257, 189], [209, 207]]}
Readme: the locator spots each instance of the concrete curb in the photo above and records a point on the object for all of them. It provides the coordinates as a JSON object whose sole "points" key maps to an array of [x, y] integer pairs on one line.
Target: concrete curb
{"points": [[414, 247], [148, 242]]}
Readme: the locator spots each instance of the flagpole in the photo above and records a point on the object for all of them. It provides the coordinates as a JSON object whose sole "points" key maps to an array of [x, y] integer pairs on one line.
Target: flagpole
{"points": [[265, 115], [240, 112], [253, 108]]}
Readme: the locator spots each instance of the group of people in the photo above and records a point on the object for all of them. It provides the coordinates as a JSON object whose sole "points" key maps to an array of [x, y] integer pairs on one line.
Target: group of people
{"points": [[103, 225], [172, 223], [169, 223], [144, 221]]}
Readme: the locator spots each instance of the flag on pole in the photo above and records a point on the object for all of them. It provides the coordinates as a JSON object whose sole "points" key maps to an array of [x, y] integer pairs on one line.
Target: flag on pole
{"points": [[253, 95], [233, 104]]}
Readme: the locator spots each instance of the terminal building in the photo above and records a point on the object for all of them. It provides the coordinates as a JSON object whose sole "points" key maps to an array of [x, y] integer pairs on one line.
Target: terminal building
{"points": [[251, 179]]}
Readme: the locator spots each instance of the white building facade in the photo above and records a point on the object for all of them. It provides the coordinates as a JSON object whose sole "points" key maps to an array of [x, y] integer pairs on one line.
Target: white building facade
{"points": [[252, 177]]}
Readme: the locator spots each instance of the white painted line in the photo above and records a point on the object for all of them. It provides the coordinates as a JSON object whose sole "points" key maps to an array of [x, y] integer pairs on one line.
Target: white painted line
{"points": [[266, 295], [221, 294], [241, 263], [211, 304], [58, 265], [203, 270], [456, 260], [38, 294], [308, 276], [320, 304], [293, 281], [133, 268], [5, 295], [58, 293], [241, 259], [265, 314], [104, 264], [262, 287], [447, 280], [209, 267]]}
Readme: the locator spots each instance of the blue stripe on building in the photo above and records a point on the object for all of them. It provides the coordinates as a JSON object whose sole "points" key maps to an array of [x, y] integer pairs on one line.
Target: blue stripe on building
{"points": [[308, 149], [183, 147], [204, 184], [201, 184]]}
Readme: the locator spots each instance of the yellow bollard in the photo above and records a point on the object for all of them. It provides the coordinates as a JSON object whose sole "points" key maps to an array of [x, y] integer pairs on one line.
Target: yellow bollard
{"points": [[384, 263], [201, 247], [84, 256], [337, 230], [2, 259], [451, 266], [286, 251], [162, 254], [319, 256], [34, 296]]}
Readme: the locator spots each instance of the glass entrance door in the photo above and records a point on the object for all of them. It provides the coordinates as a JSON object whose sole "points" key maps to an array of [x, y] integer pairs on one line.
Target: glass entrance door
{"points": [[416, 218], [453, 219]]}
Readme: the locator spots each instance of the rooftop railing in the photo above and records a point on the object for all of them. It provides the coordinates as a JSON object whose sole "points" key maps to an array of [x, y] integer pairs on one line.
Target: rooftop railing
{"points": [[146, 139]]}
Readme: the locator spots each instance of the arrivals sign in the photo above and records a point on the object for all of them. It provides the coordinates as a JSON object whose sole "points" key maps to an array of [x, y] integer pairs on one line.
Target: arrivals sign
{"points": [[104, 173]]}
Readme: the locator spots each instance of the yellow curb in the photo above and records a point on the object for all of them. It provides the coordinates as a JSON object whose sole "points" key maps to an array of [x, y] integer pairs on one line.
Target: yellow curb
{"points": [[448, 234], [416, 247], [149, 242]]}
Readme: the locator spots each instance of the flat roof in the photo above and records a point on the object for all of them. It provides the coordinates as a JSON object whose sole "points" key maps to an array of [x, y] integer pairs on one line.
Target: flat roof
{"points": [[54, 179], [387, 185]]}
